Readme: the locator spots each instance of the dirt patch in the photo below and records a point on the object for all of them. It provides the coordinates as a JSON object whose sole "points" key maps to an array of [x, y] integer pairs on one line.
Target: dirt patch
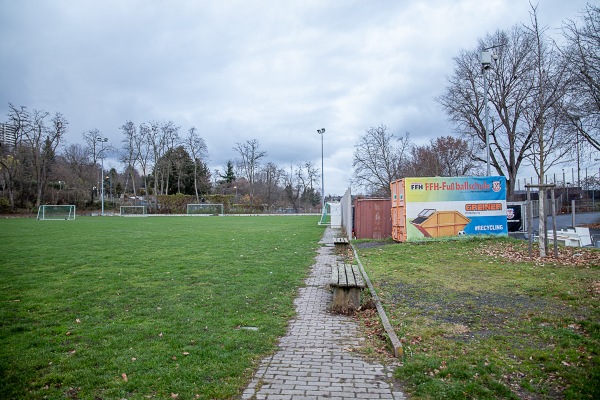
{"points": [[481, 314]]}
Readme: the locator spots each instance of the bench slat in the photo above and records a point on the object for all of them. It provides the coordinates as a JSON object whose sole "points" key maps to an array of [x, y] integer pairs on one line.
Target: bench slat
{"points": [[334, 274], [357, 276], [350, 281], [343, 279]]}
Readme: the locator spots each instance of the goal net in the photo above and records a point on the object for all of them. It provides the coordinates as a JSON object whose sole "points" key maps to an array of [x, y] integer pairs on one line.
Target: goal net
{"points": [[326, 215], [205, 209], [132, 211], [52, 212]]}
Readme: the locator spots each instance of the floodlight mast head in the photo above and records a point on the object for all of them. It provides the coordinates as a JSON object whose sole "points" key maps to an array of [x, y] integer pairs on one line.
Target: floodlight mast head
{"points": [[487, 56], [486, 59]]}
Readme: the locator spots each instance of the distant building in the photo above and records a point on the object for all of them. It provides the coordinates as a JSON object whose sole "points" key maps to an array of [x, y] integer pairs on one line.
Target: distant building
{"points": [[8, 135]]}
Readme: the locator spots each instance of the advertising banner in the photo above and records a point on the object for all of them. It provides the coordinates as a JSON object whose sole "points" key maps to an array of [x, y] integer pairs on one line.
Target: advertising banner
{"points": [[449, 206], [515, 216]]}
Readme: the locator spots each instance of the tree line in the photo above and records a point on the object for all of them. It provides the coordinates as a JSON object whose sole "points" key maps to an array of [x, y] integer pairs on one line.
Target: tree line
{"points": [[157, 159]]}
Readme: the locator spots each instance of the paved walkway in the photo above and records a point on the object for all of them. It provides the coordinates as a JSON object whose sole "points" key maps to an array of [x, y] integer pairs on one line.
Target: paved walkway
{"points": [[313, 361]]}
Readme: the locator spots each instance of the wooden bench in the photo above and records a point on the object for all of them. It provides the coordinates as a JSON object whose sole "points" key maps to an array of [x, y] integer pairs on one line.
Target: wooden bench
{"points": [[347, 282], [341, 243]]}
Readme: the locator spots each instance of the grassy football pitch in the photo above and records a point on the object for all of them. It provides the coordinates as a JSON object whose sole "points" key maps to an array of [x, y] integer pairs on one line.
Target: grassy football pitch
{"points": [[145, 307]]}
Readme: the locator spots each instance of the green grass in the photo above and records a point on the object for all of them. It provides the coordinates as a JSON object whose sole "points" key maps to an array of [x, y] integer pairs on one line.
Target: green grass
{"points": [[145, 307], [476, 325]]}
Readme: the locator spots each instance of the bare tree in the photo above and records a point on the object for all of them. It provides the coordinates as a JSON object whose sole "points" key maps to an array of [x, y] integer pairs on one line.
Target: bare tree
{"points": [[515, 86], [12, 157], [250, 156], [549, 82], [582, 56], [379, 157], [196, 146], [294, 184], [271, 177], [42, 141], [143, 152], [130, 152], [528, 86], [158, 143], [162, 137], [169, 137], [77, 171], [509, 90], [95, 147], [444, 156]]}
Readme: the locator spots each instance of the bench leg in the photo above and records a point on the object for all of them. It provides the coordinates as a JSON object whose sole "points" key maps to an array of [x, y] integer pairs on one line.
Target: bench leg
{"points": [[345, 300]]}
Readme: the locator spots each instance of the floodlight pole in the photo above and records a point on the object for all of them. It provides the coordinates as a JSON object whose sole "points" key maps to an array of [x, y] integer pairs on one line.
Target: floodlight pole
{"points": [[102, 141], [486, 59], [321, 132], [486, 63], [577, 144]]}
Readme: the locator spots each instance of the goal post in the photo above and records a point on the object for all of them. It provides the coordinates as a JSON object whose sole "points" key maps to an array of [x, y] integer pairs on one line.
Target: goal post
{"points": [[132, 211], [48, 212], [205, 209]]}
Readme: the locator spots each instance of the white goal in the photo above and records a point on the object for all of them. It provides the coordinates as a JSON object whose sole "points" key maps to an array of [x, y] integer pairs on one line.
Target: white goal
{"points": [[205, 209], [132, 211], [54, 212]]}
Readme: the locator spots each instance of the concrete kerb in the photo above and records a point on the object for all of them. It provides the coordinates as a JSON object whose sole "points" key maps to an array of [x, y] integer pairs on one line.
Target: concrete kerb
{"points": [[396, 344]]}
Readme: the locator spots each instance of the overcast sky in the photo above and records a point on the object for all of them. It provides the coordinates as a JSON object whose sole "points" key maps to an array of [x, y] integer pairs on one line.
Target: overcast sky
{"points": [[275, 71]]}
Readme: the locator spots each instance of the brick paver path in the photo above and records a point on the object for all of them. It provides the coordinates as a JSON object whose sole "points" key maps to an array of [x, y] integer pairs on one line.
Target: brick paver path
{"points": [[313, 360]]}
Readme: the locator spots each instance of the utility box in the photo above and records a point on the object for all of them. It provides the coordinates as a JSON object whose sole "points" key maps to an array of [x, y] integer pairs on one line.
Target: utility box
{"points": [[448, 206]]}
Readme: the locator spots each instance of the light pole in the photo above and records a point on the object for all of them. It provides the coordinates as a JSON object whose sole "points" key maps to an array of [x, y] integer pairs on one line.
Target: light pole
{"points": [[321, 132], [486, 60], [486, 63], [102, 141], [577, 144]]}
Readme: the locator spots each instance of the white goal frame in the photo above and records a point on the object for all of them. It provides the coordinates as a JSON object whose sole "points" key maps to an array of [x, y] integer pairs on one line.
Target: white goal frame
{"points": [[52, 212], [139, 211], [191, 209]]}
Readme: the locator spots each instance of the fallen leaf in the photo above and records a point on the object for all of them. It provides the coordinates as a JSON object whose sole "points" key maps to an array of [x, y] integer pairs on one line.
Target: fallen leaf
{"points": [[185, 353]]}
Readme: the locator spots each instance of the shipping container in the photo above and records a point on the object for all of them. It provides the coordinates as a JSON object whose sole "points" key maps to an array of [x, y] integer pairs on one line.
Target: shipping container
{"points": [[448, 206], [372, 218]]}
